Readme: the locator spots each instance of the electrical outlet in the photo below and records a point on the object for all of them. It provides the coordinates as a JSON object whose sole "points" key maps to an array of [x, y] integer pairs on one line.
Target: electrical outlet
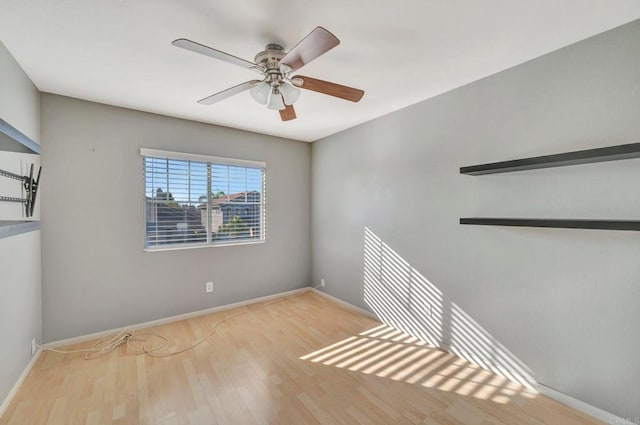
{"points": [[34, 347], [322, 283], [209, 287]]}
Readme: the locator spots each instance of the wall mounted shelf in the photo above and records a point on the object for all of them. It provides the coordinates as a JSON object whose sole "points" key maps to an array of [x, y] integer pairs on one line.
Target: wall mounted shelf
{"points": [[13, 140], [12, 228], [610, 153], [557, 223]]}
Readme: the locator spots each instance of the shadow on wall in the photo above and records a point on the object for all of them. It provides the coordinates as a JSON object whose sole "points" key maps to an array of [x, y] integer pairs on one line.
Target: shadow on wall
{"points": [[404, 299]]}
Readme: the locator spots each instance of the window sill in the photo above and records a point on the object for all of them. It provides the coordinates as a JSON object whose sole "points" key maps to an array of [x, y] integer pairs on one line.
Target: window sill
{"points": [[218, 245]]}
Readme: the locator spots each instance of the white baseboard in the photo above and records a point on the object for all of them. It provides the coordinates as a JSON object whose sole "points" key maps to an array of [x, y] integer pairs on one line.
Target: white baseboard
{"points": [[14, 390], [185, 316], [345, 304], [596, 412]]}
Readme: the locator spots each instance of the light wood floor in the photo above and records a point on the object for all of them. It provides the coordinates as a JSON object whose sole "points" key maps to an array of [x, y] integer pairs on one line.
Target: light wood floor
{"points": [[304, 360]]}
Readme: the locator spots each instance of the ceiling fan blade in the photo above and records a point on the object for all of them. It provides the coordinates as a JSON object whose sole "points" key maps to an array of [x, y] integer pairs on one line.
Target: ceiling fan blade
{"points": [[216, 54], [316, 43], [325, 87], [288, 113], [210, 100]]}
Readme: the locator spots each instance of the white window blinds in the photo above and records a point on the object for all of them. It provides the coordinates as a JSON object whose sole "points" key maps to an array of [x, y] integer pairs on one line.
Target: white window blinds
{"points": [[195, 200]]}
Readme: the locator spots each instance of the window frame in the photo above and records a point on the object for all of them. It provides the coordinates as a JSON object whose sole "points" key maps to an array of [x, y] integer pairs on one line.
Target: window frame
{"points": [[213, 160]]}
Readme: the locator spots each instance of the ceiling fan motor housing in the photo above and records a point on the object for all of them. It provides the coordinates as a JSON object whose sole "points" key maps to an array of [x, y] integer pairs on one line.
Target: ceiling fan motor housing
{"points": [[270, 58]]}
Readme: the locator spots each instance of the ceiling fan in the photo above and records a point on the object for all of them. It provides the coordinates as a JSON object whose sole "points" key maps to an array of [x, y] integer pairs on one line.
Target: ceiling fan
{"points": [[278, 89]]}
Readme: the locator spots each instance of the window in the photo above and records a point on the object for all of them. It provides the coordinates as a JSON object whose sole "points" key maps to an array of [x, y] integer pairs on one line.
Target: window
{"points": [[196, 200]]}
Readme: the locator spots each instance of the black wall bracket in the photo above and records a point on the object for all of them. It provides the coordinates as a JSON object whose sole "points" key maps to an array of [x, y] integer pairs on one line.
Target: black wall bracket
{"points": [[30, 186]]}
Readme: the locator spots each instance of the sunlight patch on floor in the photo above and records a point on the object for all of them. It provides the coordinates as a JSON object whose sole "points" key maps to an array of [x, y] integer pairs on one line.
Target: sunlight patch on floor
{"points": [[388, 353]]}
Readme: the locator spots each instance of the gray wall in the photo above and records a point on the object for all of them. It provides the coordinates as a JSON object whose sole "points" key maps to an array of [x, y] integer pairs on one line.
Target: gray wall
{"points": [[20, 100], [20, 310], [558, 304], [96, 275]]}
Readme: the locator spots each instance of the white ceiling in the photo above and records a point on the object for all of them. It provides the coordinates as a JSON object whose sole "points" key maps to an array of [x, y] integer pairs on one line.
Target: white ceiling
{"points": [[400, 52]]}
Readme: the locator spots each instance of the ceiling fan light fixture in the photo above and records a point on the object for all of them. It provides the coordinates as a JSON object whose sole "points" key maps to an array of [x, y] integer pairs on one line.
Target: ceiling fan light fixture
{"points": [[275, 101], [290, 93], [260, 92]]}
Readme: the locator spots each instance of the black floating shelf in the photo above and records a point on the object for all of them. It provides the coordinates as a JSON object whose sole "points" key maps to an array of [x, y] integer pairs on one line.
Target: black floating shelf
{"points": [[557, 223], [610, 153], [13, 140]]}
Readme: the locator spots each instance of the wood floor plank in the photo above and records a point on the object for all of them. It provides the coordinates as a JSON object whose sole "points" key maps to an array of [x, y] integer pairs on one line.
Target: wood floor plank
{"points": [[298, 360]]}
